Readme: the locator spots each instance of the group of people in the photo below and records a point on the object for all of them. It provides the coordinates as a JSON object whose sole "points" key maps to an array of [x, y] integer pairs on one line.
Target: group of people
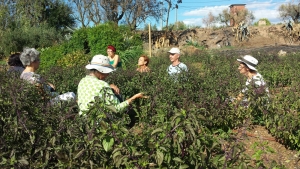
{"points": [[116, 62], [94, 85]]}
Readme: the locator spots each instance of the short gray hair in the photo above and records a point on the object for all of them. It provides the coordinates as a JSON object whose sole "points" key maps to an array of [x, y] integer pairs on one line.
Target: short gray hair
{"points": [[29, 55]]}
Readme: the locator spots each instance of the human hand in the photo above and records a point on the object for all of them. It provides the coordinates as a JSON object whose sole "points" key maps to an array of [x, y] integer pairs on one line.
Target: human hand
{"points": [[115, 88], [51, 85], [140, 95]]}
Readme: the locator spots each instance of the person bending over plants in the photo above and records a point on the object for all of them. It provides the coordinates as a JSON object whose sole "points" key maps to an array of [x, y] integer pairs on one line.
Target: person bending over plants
{"points": [[15, 64], [30, 59], [94, 85], [255, 81], [114, 59], [143, 64]]}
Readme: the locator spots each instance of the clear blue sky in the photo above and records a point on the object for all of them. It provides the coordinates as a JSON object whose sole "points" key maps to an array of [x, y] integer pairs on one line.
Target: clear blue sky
{"points": [[191, 12]]}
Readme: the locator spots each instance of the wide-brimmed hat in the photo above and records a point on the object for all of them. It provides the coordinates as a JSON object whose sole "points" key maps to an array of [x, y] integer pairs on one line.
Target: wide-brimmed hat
{"points": [[174, 50], [100, 63], [250, 61]]}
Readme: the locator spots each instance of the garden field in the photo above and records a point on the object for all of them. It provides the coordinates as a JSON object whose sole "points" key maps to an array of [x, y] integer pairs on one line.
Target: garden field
{"points": [[187, 123]]}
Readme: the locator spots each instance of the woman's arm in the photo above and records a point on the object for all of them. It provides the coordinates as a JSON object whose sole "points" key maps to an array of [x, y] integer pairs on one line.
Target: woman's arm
{"points": [[139, 95], [116, 61]]}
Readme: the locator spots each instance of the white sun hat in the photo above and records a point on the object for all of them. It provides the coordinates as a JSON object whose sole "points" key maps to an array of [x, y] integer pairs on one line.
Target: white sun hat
{"points": [[174, 50], [250, 61], [100, 63]]}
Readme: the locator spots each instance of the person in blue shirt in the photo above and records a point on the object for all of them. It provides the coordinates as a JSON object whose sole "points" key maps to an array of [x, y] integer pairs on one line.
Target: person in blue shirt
{"points": [[176, 67]]}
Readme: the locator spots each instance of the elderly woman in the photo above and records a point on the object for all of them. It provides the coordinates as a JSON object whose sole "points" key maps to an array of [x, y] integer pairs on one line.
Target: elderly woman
{"points": [[93, 85], [114, 59], [30, 59], [15, 64], [143, 64], [255, 81]]}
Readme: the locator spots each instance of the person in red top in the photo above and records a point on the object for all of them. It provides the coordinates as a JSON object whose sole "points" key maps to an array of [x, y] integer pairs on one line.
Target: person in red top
{"points": [[114, 59]]}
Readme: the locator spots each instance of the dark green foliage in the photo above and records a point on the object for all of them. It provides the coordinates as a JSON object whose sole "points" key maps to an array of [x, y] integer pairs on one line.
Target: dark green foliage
{"points": [[95, 41], [184, 124], [14, 40], [59, 15], [102, 35]]}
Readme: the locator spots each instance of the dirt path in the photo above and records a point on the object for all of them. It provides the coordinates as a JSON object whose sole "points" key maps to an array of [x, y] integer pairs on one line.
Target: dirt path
{"points": [[258, 140]]}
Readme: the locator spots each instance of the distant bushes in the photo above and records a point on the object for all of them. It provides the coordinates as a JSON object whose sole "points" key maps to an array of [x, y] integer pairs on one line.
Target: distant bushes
{"points": [[13, 40]]}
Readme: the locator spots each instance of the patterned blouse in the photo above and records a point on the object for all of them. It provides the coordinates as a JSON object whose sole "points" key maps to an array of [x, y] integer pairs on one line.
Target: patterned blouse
{"points": [[34, 78], [257, 84], [173, 70], [89, 87], [142, 70]]}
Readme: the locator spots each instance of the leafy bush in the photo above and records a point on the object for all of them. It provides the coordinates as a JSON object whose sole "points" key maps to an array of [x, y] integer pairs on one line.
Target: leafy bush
{"points": [[102, 35], [263, 19], [73, 59], [37, 37], [185, 123], [87, 42]]}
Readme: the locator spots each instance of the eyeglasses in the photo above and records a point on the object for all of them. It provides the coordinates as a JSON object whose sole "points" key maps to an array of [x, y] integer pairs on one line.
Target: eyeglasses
{"points": [[172, 54]]}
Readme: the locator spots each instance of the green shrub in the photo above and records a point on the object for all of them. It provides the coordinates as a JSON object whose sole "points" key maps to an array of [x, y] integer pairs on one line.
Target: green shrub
{"points": [[87, 42], [38, 37], [100, 36]]}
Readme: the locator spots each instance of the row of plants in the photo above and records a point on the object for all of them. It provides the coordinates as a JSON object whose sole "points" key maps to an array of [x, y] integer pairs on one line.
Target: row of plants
{"points": [[184, 124]]}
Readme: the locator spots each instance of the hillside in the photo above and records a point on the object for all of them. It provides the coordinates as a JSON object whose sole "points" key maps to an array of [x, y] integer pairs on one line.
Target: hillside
{"points": [[271, 38]]}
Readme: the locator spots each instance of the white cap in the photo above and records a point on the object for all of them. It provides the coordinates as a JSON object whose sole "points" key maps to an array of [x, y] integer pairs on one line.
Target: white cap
{"points": [[174, 50]]}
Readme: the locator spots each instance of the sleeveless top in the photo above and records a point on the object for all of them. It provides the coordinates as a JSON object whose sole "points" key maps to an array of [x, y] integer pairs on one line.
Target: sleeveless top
{"points": [[118, 65]]}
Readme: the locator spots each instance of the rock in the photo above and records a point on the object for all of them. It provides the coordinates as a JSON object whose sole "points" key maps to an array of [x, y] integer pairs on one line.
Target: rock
{"points": [[282, 53]]}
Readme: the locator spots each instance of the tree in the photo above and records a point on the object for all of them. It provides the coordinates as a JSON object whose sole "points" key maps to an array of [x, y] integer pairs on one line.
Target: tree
{"points": [[138, 11], [224, 17], [129, 12], [87, 11], [289, 11], [59, 16], [19, 13], [170, 4], [241, 15], [38, 23], [179, 25], [209, 20]]}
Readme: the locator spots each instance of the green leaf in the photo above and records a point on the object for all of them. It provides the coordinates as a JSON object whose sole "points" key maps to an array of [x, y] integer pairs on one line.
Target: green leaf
{"points": [[177, 159], [124, 130], [107, 143], [159, 157], [156, 131], [116, 154], [23, 161], [191, 130], [183, 166], [79, 153]]}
